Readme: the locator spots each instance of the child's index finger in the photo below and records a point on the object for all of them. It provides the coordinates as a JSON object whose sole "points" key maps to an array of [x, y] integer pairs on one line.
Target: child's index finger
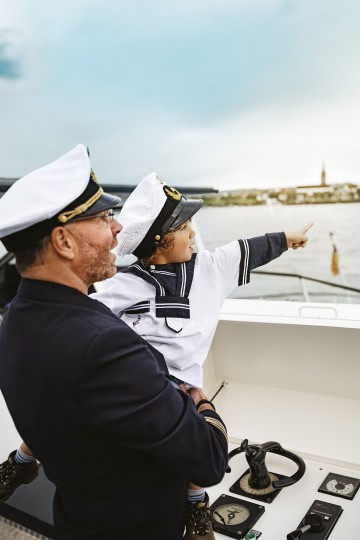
{"points": [[306, 228]]}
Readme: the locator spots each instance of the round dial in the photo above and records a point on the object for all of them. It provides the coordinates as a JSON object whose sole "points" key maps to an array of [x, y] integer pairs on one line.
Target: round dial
{"points": [[338, 487], [231, 514], [244, 484]]}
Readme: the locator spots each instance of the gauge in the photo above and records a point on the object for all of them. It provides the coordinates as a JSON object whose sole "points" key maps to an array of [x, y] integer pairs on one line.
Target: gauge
{"points": [[234, 517], [231, 514], [340, 486]]}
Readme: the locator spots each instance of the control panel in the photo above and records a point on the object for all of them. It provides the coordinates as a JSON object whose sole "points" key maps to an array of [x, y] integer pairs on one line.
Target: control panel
{"points": [[318, 522], [323, 503]]}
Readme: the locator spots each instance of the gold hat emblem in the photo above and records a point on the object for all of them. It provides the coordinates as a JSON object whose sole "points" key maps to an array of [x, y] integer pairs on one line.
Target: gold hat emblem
{"points": [[172, 193], [93, 177]]}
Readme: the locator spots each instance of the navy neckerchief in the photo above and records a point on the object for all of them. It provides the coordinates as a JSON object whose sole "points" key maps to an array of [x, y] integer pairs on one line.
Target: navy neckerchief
{"points": [[172, 283]]}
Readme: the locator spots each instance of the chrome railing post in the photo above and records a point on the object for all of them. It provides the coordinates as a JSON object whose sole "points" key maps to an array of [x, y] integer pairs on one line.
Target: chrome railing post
{"points": [[304, 289]]}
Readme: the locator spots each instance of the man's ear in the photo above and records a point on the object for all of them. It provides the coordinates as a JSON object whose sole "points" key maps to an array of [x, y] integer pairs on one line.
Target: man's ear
{"points": [[63, 242]]}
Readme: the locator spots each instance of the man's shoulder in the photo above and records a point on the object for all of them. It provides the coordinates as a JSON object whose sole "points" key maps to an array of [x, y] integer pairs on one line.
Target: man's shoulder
{"points": [[97, 314]]}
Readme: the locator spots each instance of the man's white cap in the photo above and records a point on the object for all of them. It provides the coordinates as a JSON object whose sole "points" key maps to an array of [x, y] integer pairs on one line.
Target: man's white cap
{"points": [[152, 210], [51, 196]]}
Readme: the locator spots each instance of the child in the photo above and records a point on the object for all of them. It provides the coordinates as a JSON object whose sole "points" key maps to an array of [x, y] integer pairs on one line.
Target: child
{"points": [[172, 297]]}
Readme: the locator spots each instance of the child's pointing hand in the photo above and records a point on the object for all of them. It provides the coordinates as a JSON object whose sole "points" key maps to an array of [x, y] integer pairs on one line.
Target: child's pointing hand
{"points": [[296, 239]]}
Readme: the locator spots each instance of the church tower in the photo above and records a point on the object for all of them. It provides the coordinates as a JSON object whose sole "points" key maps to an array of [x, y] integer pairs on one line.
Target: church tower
{"points": [[323, 177]]}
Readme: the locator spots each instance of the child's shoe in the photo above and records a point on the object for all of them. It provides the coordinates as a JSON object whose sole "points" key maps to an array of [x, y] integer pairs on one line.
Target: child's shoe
{"points": [[198, 522], [13, 474]]}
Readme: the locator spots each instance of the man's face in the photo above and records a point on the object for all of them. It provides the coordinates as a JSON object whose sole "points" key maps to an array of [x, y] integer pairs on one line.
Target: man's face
{"points": [[95, 237]]}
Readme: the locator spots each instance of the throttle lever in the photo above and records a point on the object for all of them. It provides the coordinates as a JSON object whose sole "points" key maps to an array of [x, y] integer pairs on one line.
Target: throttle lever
{"points": [[312, 523], [294, 535]]}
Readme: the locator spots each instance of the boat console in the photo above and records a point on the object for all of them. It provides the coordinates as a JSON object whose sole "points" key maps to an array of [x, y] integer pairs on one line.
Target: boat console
{"points": [[276, 375]]}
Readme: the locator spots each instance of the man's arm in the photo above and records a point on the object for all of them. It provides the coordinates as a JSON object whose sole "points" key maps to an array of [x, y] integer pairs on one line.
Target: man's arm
{"points": [[127, 395]]}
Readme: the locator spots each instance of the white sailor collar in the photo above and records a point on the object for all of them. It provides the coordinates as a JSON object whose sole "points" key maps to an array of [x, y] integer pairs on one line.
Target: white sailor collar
{"points": [[172, 283]]}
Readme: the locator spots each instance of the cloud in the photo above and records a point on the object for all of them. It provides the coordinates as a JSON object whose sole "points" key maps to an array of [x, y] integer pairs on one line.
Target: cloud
{"points": [[9, 66], [222, 92]]}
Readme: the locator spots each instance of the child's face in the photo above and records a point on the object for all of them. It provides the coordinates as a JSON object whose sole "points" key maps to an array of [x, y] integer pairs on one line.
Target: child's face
{"points": [[181, 250]]}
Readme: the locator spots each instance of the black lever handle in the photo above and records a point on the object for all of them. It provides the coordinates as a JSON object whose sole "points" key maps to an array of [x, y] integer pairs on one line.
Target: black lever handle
{"points": [[294, 535], [298, 533], [312, 523], [235, 452], [288, 480], [255, 455]]}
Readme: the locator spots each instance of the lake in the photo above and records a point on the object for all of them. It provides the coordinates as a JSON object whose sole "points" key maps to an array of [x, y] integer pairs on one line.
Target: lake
{"points": [[223, 224]]}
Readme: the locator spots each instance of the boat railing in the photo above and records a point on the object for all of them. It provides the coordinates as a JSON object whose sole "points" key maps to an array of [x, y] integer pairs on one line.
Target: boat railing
{"points": [[304, 282]]}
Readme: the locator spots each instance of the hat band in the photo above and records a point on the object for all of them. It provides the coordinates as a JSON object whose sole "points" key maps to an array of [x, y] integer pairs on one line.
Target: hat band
{"points": [[23, 239], [66, 216], [148, 244]]}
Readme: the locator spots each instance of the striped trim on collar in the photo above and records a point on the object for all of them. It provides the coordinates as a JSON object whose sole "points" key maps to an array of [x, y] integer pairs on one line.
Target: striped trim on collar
{"points": [[170, 306], [167, 305], [140, 307]]}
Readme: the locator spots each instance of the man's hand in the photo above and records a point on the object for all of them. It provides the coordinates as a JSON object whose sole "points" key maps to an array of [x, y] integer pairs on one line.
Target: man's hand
{"points": [[197, 395], [296, 239]]}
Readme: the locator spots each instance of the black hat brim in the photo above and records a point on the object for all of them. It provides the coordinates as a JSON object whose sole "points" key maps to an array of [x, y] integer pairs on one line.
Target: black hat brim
{"points": [[105, 202], [184, 211], [173, 215]]}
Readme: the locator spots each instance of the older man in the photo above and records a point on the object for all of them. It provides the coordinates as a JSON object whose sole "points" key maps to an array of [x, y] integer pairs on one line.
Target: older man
{"points": [[91, 399]]}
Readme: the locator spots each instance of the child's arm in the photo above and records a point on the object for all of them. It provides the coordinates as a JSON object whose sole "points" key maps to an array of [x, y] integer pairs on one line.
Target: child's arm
{"points": [[229, 267], [263, 249]]}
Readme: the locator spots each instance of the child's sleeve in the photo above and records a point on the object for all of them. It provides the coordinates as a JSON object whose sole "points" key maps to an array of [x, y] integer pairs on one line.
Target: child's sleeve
{"points": [[227, 267], [231, 264], [263, 249]]}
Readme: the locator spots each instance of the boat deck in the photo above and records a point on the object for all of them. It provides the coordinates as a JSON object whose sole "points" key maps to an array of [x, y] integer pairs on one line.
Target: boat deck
{"points": [[12, 531]]}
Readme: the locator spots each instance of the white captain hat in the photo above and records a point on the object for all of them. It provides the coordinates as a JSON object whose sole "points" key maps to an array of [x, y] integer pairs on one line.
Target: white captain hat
{"points": [[50, 197], [152, 210]]}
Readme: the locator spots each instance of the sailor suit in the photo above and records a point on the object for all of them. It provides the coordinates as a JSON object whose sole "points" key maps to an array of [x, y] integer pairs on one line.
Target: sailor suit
{"points": [[176, 307]]}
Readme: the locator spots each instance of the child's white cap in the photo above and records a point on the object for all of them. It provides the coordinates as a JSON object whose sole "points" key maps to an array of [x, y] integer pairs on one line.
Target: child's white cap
{"points": [[50, 197], [152, 210]]}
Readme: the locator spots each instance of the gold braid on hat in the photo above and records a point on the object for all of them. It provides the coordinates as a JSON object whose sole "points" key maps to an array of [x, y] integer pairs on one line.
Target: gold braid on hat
{"points": [[70, 214]]}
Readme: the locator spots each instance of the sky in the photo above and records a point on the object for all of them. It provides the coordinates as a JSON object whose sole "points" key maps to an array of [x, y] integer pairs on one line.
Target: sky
{"points": [[228, 94]]}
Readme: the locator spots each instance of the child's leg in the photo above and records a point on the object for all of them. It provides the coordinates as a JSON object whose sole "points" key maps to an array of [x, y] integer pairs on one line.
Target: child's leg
{"points": [[24, 454], [195, 493], [198, 522], [24, 447], [20, 468]]}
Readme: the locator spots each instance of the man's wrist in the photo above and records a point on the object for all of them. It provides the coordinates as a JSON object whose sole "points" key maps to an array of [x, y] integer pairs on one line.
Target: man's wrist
{"points": [[204, 404]]}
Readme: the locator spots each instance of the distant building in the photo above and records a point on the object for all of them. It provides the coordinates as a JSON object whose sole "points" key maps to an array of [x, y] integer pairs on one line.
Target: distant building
{"points": [[325, 193], [322, 185], [323, 177], [305, 194]]}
